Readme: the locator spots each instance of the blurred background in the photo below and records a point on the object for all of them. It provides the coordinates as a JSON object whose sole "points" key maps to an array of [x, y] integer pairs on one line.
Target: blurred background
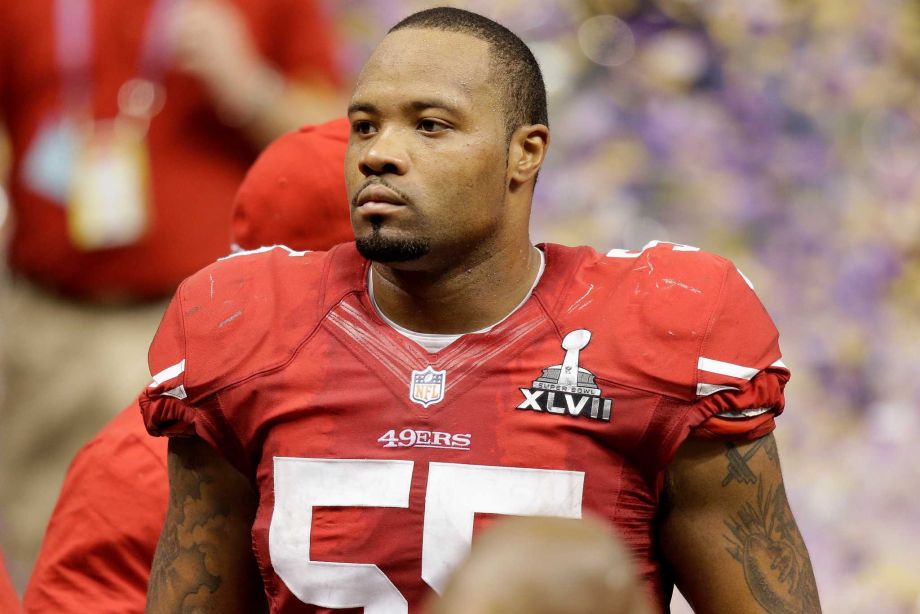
{"points": [[784, 135]]}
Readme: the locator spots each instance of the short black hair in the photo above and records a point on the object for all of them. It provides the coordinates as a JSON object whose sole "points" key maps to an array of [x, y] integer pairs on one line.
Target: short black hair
{"points": [[512, 61]]}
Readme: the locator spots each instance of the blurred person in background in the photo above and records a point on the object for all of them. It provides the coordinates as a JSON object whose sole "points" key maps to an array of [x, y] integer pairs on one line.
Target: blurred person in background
{"points": [[131, 126], [9, 600], [96, 553], [545, 566]]}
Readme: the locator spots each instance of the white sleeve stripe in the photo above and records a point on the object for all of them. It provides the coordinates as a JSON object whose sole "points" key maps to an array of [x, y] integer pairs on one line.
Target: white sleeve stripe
{"points": [[743, 414], [168, 373], [248, 252], [236, 251], [622, 253], [178, 392], [726, 368], [780, 364], [704, 390], [749, 283]]}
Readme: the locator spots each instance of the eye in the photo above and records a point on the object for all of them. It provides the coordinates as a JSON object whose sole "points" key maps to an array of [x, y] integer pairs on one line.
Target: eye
{"points": [[363, 127], [432, 126]]}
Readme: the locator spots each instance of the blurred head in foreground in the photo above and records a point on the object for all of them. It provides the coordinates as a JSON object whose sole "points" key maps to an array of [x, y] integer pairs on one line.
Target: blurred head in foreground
{"points": [[545, 566]]}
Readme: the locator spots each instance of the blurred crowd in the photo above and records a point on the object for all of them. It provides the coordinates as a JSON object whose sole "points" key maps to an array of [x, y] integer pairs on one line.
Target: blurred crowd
{"points": [[786, 136]]}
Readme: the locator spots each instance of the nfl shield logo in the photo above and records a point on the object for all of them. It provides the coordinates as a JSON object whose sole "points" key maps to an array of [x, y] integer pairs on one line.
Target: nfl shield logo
{"points": [[427, 387]]}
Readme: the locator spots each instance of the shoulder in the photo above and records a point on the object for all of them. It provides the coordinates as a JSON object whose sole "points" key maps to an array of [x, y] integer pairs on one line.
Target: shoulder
{"points": [[664, 266], [664, 288], [247, 313], [659, 270], [268, 269], [657, 310]]}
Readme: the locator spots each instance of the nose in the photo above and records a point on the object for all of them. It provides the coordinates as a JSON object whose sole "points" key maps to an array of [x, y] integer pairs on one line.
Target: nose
{"points": [[385, 155]]}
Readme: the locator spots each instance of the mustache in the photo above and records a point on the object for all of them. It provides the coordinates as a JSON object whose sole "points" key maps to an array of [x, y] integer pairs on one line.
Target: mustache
{"points": [[378, 181]]}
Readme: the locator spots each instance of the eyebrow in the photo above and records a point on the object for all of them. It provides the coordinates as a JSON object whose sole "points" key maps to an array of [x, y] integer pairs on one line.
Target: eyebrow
{"points": [[362, 107], [431, 103], [415, 105]]}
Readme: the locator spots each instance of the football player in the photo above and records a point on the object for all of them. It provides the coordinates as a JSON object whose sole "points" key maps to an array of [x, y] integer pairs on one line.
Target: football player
{"points": [[96, 553], [340, 421], [545, 566]]}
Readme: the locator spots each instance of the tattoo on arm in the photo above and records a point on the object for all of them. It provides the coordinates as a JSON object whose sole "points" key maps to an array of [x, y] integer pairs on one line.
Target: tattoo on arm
{"points": [[738, 468], [188, 568], [764, 539]]}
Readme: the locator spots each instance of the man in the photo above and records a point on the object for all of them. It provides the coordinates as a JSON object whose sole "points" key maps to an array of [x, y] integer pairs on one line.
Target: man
{"points": [[100, 540], [346, 415], [545, 566], [131, 125]]}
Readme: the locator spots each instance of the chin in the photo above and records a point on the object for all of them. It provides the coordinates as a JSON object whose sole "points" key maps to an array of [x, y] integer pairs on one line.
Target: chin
{"points": [[383, 247]]}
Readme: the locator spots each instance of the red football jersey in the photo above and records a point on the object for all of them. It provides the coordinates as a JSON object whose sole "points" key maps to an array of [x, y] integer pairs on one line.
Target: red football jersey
{"points": [[375, 459]]}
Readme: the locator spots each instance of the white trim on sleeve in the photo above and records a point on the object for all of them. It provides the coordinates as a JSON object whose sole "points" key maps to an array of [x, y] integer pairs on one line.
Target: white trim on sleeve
{"points": [[744, 414], [726, 368], [704, 390], [178, 392], [622, 253], [168, 373]]}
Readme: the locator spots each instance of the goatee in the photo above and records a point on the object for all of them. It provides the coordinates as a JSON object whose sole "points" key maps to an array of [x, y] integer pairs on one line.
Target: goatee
{"points": [[379, 248]]}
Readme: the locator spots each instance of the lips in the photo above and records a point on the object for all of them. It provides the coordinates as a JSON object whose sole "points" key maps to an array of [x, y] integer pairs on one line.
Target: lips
{"points": [[378, 194]]}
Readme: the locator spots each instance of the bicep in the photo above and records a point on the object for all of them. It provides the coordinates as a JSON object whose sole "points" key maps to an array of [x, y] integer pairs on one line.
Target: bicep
{"points": [[729, 533], [203, 560]]}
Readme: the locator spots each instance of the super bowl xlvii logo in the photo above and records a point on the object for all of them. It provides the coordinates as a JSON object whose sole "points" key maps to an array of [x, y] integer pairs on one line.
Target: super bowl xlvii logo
{"points": [[427, 387], [567, 388]]}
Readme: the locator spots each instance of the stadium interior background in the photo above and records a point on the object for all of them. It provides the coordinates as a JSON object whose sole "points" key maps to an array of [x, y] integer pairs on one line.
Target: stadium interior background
{"points": [[786, 136]]}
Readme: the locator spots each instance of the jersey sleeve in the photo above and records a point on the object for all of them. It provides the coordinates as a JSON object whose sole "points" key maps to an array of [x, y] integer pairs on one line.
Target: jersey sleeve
{"points": [[97, 551], [176, 403], [739, 376], [740, 372], [237, 318]]}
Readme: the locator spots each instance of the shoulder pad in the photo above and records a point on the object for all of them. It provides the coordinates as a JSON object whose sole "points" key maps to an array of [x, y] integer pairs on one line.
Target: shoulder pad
{"points": [[243, 315], [665, 314]]}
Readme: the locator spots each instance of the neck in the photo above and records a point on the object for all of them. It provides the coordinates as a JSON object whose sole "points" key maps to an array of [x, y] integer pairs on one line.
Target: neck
{"points": [[468, 295]]}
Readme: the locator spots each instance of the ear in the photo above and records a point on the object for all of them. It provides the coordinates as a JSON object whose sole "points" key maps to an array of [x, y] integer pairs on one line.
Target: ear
{"points": [[526, 153]]}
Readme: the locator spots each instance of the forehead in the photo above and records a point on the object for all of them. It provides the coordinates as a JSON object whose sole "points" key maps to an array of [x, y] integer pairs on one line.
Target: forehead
{"points": [[421, 62]]}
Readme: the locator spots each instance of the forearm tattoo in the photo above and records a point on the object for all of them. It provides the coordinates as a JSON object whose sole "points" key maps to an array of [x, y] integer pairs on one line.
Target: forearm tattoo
{"points": [[183, 577], [764, 539]]}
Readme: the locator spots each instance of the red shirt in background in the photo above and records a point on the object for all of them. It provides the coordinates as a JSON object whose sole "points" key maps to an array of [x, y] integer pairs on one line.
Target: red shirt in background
{"points": [[9, 600], [197, 163], [101, 538], [102, 535]]}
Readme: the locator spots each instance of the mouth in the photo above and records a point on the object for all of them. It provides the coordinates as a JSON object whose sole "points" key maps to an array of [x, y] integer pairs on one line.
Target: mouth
{"points": [[377, 201], [379, 197]]}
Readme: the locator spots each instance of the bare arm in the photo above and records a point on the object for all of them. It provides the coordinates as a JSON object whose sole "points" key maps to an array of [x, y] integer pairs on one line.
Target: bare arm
{"points": [[214, 43], [204, 562], [730, 535]]}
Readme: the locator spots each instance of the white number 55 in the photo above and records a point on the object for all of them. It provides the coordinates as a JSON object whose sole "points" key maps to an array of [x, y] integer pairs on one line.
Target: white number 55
{"points": [[454, 494]]}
